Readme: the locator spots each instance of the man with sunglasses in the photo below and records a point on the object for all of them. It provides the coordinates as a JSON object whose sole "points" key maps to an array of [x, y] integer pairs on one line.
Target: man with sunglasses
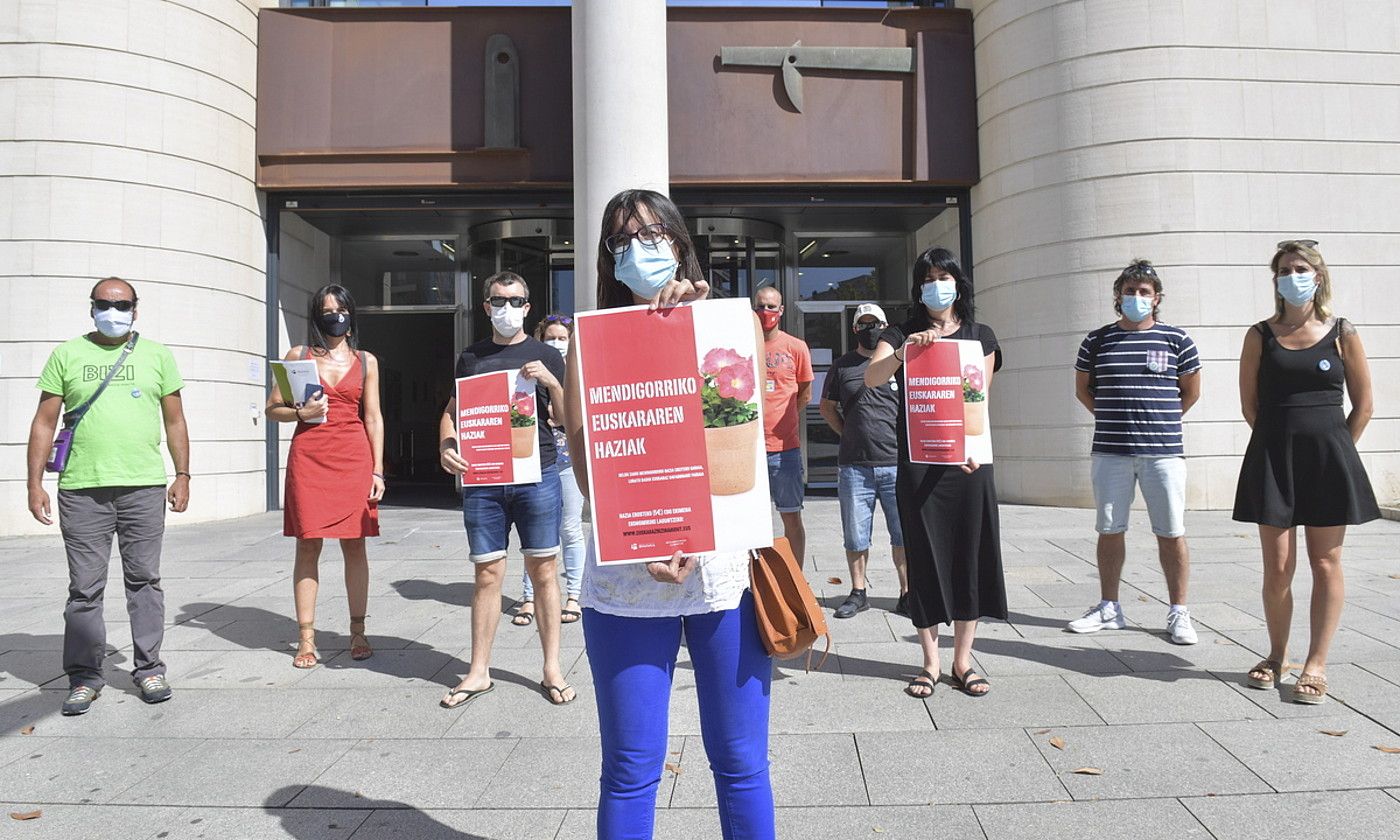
{"points": [[786, 391], [1138, 377], [113, 482], [868, 457], [534, 509]]}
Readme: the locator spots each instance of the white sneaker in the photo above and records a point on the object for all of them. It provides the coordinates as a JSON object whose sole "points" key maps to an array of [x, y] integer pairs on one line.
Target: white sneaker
{"points": [[1103, 616], [1180, 629]]}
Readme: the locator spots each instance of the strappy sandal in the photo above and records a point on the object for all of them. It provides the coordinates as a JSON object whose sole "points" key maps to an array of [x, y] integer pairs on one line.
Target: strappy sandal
{"points": [[568, 616], [923, 680], [965, 685], [1316, 682], [555, 693], [362, 651], [523, 619], [306, 636], [1271, 671]]}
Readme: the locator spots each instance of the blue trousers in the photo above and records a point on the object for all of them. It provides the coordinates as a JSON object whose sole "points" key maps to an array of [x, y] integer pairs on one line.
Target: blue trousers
{"points": [[633, 660]]}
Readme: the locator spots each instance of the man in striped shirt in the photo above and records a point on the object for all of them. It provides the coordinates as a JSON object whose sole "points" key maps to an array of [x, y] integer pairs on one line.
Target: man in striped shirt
{"points": [[1138, 376]]}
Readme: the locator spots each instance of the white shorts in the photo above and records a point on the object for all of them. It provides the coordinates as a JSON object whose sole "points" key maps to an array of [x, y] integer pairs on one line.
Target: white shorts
{"points": [[1163, 482]]}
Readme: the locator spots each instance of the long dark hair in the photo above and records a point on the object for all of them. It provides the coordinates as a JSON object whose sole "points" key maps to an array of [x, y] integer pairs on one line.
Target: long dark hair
{"points": [[943, 260], [315, 336], [627, 206]]}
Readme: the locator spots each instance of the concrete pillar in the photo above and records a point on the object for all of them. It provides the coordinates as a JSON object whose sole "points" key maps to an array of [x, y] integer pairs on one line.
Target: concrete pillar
{"points": [[1195, 134], [620, 117], [130, 152]]}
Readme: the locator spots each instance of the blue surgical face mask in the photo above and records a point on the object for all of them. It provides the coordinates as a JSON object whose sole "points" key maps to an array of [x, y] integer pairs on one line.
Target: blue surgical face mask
{"points": [[1136, 308], [645, 269], [1297, 289], [112, 323], [938, 295]]}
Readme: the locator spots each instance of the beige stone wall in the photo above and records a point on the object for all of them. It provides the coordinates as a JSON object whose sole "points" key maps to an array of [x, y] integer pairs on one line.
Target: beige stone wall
{"points": [[1194, 133], [126, 147]]}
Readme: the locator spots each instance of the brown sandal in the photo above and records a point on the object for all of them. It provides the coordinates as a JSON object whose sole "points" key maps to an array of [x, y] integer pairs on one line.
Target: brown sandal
{"points": [[1318, 685], [1272, 671], [306, 636], [362, 651]]}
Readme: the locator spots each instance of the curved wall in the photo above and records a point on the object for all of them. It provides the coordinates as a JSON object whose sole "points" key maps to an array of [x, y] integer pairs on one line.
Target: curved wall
{"points": [[126, 148], [1195, 134]]}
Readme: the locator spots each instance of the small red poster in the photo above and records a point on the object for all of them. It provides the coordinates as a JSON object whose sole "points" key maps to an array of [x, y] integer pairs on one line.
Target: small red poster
{"points": [[933, 403], [672, 423], [496, 429]]}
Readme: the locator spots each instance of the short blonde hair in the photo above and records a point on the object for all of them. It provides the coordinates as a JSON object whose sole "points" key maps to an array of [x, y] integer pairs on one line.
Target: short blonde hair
{"points": [[1322, 298]]}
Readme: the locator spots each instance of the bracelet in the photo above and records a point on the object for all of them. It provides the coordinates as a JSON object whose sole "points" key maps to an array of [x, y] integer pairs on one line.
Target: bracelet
{"points": [[896, 353], [379, 476], [179, 473], [297, 409]]}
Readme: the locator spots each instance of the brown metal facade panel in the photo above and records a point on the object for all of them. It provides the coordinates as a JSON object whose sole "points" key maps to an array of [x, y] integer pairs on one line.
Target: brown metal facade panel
{"points": [[384, 98]]}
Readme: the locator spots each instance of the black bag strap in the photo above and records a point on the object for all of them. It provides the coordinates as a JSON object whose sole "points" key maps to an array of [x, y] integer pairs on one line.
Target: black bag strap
{"points": [[72, 418]]}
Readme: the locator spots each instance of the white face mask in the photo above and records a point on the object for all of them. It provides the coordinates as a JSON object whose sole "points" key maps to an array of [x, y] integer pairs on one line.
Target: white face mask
{"points": [[112, 323], [560, 344], [507, 320]]}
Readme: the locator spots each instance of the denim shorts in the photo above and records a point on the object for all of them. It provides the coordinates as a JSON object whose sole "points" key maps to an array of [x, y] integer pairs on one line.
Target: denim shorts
{"points": [[785, 480], [858, 487], [1163, 482], [534, 509]]}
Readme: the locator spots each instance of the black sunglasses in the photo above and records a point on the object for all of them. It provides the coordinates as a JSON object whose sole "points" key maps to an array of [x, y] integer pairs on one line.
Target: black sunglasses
{"points": [[1289, 243], [119, 305], [500, 300], [873, 325]]}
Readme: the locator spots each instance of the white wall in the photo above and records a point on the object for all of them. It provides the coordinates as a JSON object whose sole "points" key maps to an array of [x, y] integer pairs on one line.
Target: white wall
{"points": [[128, 129], [1195, 133]]}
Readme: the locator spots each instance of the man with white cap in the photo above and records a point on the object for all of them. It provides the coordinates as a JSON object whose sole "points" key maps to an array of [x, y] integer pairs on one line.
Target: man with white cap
{"points": [[865, 419]]}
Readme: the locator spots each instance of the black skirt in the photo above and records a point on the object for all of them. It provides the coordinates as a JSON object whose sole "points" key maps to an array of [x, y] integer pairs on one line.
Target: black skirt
{"points": [[1302, 468], [952, 541]]}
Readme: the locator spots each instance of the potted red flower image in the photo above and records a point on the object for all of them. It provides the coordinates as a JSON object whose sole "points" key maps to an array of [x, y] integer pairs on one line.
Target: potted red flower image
{"points": [[522, 424], [974, 400], [731, 420]]}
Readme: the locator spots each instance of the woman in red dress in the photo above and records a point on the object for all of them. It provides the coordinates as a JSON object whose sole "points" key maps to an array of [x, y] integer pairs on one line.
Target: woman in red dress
{"points": [[335, 469]]}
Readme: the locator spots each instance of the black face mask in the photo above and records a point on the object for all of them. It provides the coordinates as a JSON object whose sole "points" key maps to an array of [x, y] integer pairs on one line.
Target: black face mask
{"points": [[335, 323], [869, 338]]}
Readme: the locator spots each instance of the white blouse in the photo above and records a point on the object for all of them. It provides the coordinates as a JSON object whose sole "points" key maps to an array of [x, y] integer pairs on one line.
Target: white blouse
{"points": [[717, 584]]}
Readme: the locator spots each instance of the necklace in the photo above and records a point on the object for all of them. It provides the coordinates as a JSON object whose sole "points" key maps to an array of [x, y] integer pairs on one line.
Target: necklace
{"points": [[944, 327]]}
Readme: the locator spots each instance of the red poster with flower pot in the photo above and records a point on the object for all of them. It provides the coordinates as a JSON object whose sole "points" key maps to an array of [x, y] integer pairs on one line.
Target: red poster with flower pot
{"points": [[672, 430], [933, 403], [497, 429]]}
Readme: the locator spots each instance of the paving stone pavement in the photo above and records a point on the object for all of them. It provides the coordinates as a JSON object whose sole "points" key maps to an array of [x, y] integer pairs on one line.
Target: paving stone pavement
{"points": [[251, 748]]}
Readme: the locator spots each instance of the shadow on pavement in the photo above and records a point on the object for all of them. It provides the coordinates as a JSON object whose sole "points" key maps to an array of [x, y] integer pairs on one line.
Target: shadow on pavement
{"points": [[401, 819]]}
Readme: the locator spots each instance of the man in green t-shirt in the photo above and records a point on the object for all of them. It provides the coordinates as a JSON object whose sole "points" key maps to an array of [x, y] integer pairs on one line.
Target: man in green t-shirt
{"points": [[113, 483]]}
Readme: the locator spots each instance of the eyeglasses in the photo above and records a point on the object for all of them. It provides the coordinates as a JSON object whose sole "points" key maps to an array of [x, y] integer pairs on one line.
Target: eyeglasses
{"points": [[1140, 268], [1290, 243], [119, 305], [563, 320], [649, 235], [501, 300], [870, 327]]}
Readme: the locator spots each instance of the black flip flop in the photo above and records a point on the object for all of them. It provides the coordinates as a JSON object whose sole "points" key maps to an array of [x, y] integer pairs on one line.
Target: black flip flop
{"points": [[557, 691], [963, 683], [528, 616], [468, 695], [919, 682]]}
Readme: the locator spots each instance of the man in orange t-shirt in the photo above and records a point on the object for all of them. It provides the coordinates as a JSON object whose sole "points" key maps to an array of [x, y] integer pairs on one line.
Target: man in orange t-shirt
{"points": [[785, 395]]}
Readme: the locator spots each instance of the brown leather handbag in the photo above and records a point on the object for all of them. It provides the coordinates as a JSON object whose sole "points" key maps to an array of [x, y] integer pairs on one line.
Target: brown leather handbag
{"points": [[789, 618]]}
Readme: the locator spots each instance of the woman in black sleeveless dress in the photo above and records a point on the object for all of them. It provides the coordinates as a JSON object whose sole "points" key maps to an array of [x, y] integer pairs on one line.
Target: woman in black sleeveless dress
{"points": [[952, 536], [1301, 467]]}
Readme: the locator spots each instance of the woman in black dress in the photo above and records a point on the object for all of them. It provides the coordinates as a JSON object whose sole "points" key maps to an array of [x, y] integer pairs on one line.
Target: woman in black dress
{"points": [[1301, 467], [952, 538]]}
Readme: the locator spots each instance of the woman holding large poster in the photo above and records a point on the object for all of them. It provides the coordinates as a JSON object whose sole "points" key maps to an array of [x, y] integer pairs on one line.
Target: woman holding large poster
{"points": [[952, 537], [634, 614]]}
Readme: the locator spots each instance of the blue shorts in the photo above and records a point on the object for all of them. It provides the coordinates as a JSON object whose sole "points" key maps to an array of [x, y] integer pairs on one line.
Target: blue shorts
{"points": [[858, 487], [534, 509], [785, 480]]}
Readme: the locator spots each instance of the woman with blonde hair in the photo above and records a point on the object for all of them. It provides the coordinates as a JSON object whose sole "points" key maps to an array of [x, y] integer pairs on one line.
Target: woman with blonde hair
{"points": [[1302, 467]]}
